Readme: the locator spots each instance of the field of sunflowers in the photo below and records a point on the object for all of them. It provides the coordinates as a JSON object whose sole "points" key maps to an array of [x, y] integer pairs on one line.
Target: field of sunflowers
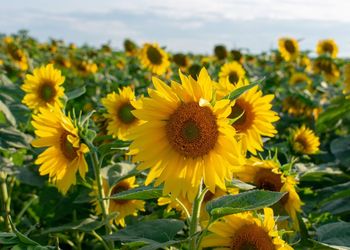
{"points": [[143, 148]]}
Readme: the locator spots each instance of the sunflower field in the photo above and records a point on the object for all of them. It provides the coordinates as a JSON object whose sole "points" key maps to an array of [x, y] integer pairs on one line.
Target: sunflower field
{"points": [[143, 148]]}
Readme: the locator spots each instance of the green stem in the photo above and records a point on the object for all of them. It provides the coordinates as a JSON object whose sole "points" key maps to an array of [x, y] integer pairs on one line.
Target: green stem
{"points": [[5, 200], [195, 217], [101, 194]]}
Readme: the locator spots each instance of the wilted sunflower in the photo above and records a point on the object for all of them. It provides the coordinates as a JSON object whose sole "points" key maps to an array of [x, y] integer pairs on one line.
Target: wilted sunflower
{"points": [[305, 141], [220, 52], [245, 231], [266, 174], [327, 46], [289, 48], [43, 87], [119, 107], [130, 47], [123, 207], [233, 71], [300, 77], [65, 153], [154, 58], [185, 137], [254, 114], [327, 68]]}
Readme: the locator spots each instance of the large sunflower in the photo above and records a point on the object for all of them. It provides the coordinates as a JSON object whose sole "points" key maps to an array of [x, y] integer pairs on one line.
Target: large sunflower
{"points": [[233, 71], [43, 87], [185, 137], [305, 141], [245, 231], [327, 46], [65, 153], [154, 58], [289, 48], [123, 207], [266, 174], [119, 107], [252, 115]]}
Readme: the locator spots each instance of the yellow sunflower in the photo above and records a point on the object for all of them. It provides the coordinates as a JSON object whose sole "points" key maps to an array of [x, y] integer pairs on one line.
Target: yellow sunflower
{"points": [[181, 60], [305, 141], [154, 58], [327, 68], [266, 174], [253, 115], [43, 87], [123, 207], [289, 48], [300, 77], [245, 231], [119, 107], [346, 90], [305, 62], [327, 46], [174, 203], [86, 67], [19, 57], [296, 106], [233, 71], [65, 153], [185, 137]]}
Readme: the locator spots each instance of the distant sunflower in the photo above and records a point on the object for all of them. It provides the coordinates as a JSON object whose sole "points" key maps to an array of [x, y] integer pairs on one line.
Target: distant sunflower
{"points": [[245, 231], [300, 77], [43, 87], [253, 115], [185, 138], [305, 141], [233, 71], [154, 58], [19, 57], [289, 48], [296, 106], [119, 107], [130, 47], [305, 62], [181, 60], [86, 67], [65, 153], [327, 46], [123, 207], [266, 174], [220, 52], [327, 68]]}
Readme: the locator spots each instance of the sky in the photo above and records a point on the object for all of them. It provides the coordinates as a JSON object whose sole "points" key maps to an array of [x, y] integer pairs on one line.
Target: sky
{"points": [[182, 25]]}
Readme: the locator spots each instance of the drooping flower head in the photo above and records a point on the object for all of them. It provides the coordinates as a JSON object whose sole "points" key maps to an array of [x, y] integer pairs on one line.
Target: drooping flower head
{"points": [[119, 112], [245, 231], [327, 68], [43, 88], [305, 141], [154, 58], [64, 155], [289, 48], [252, 115], [185, 137]]}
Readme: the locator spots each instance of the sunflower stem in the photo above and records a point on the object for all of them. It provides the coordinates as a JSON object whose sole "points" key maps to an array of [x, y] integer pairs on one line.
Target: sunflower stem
{"points": [[5, 200], [195, 217], [100, 193]]}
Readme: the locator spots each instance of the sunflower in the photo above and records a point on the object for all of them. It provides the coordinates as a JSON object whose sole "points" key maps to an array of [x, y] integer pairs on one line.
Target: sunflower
{"points": [[86, 67], [18, 56], [130, 47], [300, 77], [327, 46], [327, 68], [289, 48], [43, 87], [174, 203], [65, 153], [252, 113], [181, 60], [154, 58], [184, 136], [233, 71], [123, 207], [296, 106], [119, 107], [245, 231], [305, 62], [266, 174], [305, 141], [220, 52], [346, 90]]}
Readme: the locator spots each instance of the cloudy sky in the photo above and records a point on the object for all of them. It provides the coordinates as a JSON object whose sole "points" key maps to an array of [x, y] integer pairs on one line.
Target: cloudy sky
{"points": [[182, 25]]}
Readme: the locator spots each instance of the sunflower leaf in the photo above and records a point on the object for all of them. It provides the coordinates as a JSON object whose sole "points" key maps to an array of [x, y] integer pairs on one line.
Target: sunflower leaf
{"points": [[139, 193], [237, 92], [76, 93], [6, 111], [250, 200], [84, 225], [335, 234]]}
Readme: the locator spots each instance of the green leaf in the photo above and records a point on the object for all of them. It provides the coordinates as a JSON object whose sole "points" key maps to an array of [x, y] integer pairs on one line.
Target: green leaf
{"points": [[23, 238], [239, 184], [6, 111], [237, 92], [340, 148], [250, 200], [85, 225], [139, 193], [110, 148], [156, 231], [11, 137], [118, 172], [76, 93], [335, 234]]}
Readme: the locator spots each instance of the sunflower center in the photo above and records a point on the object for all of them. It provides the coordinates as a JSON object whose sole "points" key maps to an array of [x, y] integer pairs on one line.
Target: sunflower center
{"points": [[252, 237], [47, 92], [242, 110], [192, 130], [300, 144], [327, 47], [67, 148], [125, 115], [289, 45], [233, 77], [154, 55], [120, 187]]}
